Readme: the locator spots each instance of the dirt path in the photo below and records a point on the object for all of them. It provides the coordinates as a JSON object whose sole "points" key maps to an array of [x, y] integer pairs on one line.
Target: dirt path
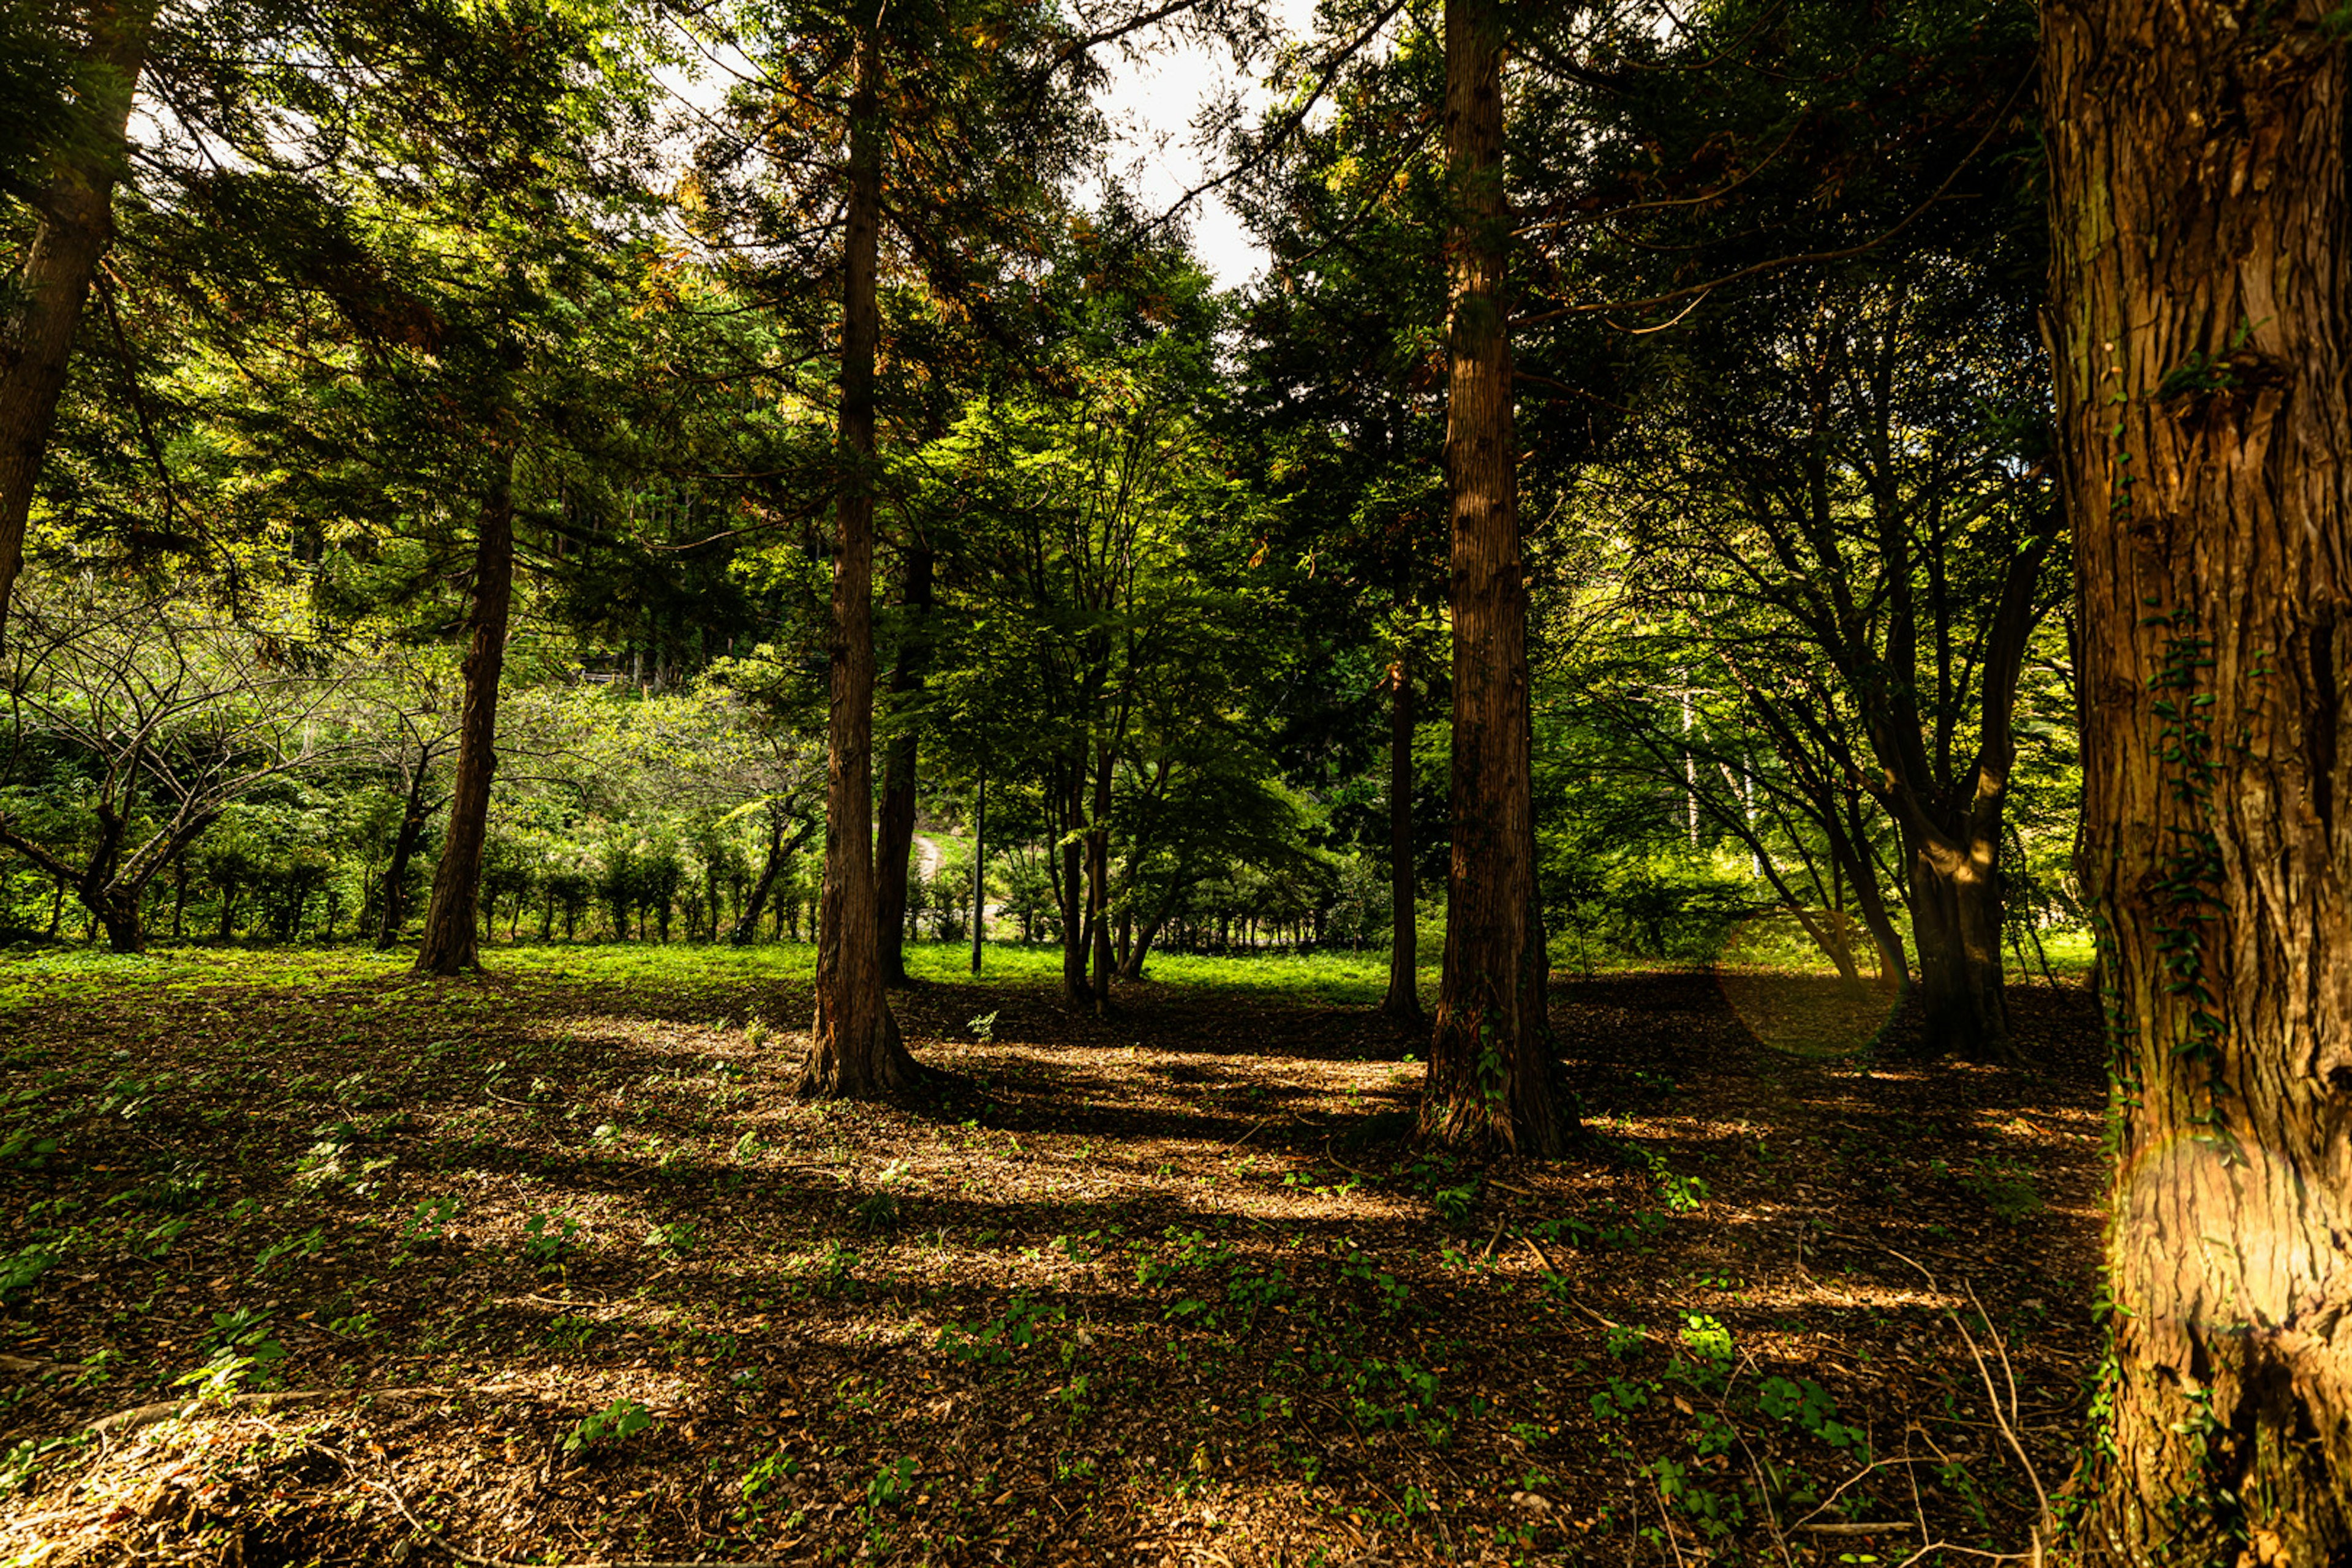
{"points": [[1150, 1291]]}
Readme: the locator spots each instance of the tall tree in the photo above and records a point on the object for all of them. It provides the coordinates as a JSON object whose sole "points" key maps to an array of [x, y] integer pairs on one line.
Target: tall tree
{"points": [[854, 1049], [1492, 1080], [2202, 237], [74, 225]]}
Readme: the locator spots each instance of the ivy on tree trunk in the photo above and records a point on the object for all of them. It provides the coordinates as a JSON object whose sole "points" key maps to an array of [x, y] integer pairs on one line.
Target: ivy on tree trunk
{"points": [[2199, 335]]}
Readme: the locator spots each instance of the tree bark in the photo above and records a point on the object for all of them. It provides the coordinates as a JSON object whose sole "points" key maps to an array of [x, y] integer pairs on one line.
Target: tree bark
{"points": [[898, 829], [449, 946], [75, 229], [1402, 1002], [1491, 1076], [1955, 883], [2199, 335], [854, 1049]]}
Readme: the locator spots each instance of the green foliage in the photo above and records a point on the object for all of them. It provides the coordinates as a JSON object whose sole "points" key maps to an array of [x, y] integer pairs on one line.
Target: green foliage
{"points": [[609, 1427]]}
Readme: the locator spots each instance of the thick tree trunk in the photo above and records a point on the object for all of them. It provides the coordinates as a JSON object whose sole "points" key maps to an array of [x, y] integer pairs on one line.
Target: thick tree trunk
{"points": [[2199, 333], [448, 946], [1955, 931], [1402, 1002], [404, 849], [854, 1049], [898, 828], [1491, 1076], [46, 296]]}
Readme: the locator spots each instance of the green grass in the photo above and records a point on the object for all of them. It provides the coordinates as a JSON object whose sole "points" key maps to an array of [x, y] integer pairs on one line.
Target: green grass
{"points": [[1336, 979]]}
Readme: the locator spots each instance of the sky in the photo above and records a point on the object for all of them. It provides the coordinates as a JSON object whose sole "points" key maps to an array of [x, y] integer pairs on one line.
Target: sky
{"points": [[1151, 103]]}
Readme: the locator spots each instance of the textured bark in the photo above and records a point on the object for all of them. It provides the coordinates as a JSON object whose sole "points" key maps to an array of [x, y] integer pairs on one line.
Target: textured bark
{"points": [[898, 829], [404, 849], [1402, 1002], [854, 1049], [1491, 1080], [448, 945], [76, 227], [2200, 245]]}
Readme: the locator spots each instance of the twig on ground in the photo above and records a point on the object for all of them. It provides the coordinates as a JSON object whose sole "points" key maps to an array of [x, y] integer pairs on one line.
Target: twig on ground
{"points": [[427, 1533], [180, 1409]]}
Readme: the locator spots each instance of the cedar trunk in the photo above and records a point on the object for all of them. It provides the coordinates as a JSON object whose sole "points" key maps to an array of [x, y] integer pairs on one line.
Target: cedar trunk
{"points": [[76, 227], [2200, 248], [1491, 1076], [1402, 1002], [898, 829], [448, 946], [855, 1050]]}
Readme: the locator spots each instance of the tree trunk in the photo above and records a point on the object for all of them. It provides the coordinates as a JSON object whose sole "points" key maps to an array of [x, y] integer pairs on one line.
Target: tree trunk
{"points": [[979, 871], [1402, 1002], [448, 946], [898, 829], [2199, 335], [1099, 884], [76, 227], [747, 924], [1069, 887], [1491, 1076], [404, 849], [855, 1050], [1955, 931]]}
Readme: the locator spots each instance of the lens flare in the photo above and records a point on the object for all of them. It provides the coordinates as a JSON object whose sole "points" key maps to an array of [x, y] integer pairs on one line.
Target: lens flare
{"points": [[1787, 991]]}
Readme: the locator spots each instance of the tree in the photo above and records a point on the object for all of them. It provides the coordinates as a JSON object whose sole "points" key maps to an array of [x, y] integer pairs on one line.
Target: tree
{"points": [[1838, 491], [71, 237], [2199, 201], [152, 715], [1491, 1080]]}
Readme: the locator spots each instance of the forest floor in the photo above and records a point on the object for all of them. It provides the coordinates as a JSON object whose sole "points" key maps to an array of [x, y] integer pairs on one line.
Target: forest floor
{"points": [[299, 1260]]}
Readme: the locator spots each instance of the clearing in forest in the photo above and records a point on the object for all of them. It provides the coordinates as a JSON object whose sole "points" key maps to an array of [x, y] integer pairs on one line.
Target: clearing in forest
{"points": [[302, 1261]]}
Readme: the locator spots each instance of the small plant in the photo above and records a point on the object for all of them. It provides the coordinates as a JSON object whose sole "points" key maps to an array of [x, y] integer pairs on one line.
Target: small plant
{"points": [[21, 1267], [983, 1028], [310, 1244], [674, 1240], [242, 1346], [428, 1221], [756, 1032], [891, 1484], [2007, 1189], [20, 1466], [616, 1422], [992, 1343], [546, 1236]]}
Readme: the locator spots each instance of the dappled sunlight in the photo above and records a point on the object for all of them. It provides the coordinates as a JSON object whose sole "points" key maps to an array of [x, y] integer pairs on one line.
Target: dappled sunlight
{"points": [[1175, 1278]]}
